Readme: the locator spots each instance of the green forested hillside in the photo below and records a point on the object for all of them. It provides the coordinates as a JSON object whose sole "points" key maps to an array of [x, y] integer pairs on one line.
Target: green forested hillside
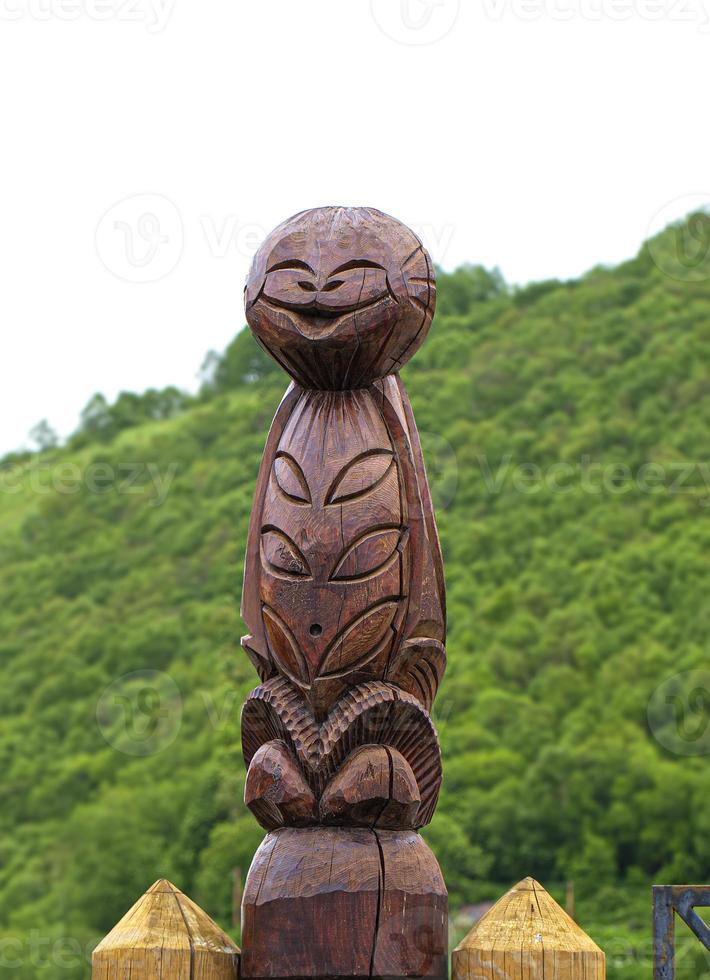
{"points": [[566, 428]]}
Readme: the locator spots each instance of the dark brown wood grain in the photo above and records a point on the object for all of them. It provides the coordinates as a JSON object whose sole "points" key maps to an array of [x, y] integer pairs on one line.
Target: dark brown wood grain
{"points": [[276, 791], [375, 787], [371, 713], [339, 902], [344, 602]]}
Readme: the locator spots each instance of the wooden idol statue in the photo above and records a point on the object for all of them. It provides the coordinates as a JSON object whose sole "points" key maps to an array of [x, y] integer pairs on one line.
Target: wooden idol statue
{"points": [[344, 602]]}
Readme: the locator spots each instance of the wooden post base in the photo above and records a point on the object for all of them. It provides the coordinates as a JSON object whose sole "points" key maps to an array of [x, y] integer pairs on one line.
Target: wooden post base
{"points": [[344, 902]]}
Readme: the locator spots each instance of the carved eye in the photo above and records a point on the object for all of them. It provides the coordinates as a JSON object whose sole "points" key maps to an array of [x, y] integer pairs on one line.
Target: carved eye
{"points": [[367, 555], [291, 480], [352, 285], [360, 476], [290, 284], [359, 642], [281, 554], [284, 648]]}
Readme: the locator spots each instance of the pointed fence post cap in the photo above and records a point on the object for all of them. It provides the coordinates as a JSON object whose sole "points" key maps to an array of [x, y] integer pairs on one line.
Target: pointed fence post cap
{"points": [[527, 934], [165, 935]]}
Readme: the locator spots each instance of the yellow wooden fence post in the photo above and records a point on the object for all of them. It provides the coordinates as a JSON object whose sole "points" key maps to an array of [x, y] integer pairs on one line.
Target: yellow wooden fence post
{"points": [[165, 935], [527, 936]]}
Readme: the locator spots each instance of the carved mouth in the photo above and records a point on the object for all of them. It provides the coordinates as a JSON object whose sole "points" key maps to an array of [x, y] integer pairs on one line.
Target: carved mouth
{"points": [[314, 320]]}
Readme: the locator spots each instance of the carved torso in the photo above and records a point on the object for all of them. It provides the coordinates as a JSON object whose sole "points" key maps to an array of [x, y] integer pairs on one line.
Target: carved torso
{"points": [[334, 546]]}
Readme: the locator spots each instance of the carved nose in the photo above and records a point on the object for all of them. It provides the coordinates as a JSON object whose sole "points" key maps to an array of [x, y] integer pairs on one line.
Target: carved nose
{"points": [[309, 287]]}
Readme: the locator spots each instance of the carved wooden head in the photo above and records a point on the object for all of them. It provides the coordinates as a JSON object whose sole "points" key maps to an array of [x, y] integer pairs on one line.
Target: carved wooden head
{"points": [[341, 296]]}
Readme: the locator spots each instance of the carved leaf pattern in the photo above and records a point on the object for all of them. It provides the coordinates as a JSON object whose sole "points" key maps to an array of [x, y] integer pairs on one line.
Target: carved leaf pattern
{"points": [[290, 479], [360, 476], [368, 554], [284, 649], [282, 554], [359, 642]]}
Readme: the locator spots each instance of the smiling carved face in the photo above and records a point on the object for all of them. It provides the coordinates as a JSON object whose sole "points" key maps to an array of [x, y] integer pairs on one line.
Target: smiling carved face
{"points": [[341, 296]]}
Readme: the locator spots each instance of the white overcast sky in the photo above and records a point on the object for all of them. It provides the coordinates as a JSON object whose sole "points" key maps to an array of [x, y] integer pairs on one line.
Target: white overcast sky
{"points": [[147, 145]]}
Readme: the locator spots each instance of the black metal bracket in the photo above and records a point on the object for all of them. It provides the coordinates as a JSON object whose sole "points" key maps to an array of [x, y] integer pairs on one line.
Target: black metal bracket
{"points": [[667, 900]]}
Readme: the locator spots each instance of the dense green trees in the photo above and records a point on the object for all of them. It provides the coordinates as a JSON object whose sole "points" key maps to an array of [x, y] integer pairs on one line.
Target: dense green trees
{"points": [[566, 428]]}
